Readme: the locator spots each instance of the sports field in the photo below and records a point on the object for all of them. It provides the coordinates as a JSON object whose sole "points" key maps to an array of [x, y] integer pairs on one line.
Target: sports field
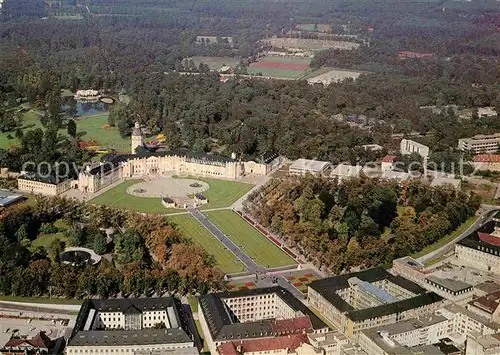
{"points": [[190, 227], [216, 62], [311, 27], [280, 67], [251, 242]]}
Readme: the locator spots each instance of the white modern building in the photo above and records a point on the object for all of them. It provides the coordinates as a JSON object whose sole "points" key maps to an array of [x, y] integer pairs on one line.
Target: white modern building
{"points": [[130, 326], [346, 171], [409, 147], [303, 166], [480, 144]]}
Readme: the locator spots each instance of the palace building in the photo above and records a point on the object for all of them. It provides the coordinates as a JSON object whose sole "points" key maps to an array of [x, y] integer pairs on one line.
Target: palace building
{"points": [[142, 162], [130, 326]]}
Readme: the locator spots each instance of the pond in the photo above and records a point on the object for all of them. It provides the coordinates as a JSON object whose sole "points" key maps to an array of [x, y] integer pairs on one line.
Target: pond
{"points": [[85, 108]]}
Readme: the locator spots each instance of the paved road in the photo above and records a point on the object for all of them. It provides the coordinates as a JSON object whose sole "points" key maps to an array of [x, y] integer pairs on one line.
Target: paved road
{"points": [[228, 243], [486, 216]]}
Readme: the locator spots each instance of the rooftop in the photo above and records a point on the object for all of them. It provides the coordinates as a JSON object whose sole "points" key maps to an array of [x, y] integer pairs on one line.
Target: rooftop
{"points": [[488, 287], [346, 170], [450, 284], [129, 337], [82, 336], [488, 303], [396, 175], [478, 239], [389, 159], [45, 178], [290, 342], [309, 165], [486, 158], [328, 289], [222, 327], [7, 198]]}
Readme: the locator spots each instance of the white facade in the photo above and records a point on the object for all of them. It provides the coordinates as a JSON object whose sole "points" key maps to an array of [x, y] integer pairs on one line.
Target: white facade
{"points": [[409, 147], [480, 144], [477, 258]]}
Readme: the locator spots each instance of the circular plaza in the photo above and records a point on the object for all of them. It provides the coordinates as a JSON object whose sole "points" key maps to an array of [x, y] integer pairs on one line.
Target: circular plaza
{"points": [[167, 186]]}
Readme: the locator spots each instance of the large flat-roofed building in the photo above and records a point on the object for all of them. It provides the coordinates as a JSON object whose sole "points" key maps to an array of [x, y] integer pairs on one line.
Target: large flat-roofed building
{"points": [[454, 290], [346, 171], [370, 298], [408, 147], [451, 324], [130, 326], [480, 249], [480, 144], [303, 166], [49, 185], [8, 198], [254, 314]]}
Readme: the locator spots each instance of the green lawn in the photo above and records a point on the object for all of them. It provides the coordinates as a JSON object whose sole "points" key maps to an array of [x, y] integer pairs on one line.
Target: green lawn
{"points": [[446, 239], [252, 242], [223, 193], [118, 197], [193, 303], [202, 336], [89, 127], [46, 239], [190, 227], [43, 300]]}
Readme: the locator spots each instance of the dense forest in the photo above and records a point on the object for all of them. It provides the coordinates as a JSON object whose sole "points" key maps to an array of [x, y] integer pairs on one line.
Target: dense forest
{"points": [[361, 222], [145, 255]]}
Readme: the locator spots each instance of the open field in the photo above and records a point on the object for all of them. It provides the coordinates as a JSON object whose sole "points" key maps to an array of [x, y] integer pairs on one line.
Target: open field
{"points": [[280, 67], [89, 127], [216, 62], [252, 242], [221, 193], [312, 27], [331, 75], [310, 44], [190, 227]]}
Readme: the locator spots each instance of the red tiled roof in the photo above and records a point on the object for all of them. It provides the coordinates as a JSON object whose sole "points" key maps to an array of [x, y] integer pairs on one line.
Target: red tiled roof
{"points": [[290, 342], [291, 326], [486, 158], [488, 238], [39, 341], [389, 158]]}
